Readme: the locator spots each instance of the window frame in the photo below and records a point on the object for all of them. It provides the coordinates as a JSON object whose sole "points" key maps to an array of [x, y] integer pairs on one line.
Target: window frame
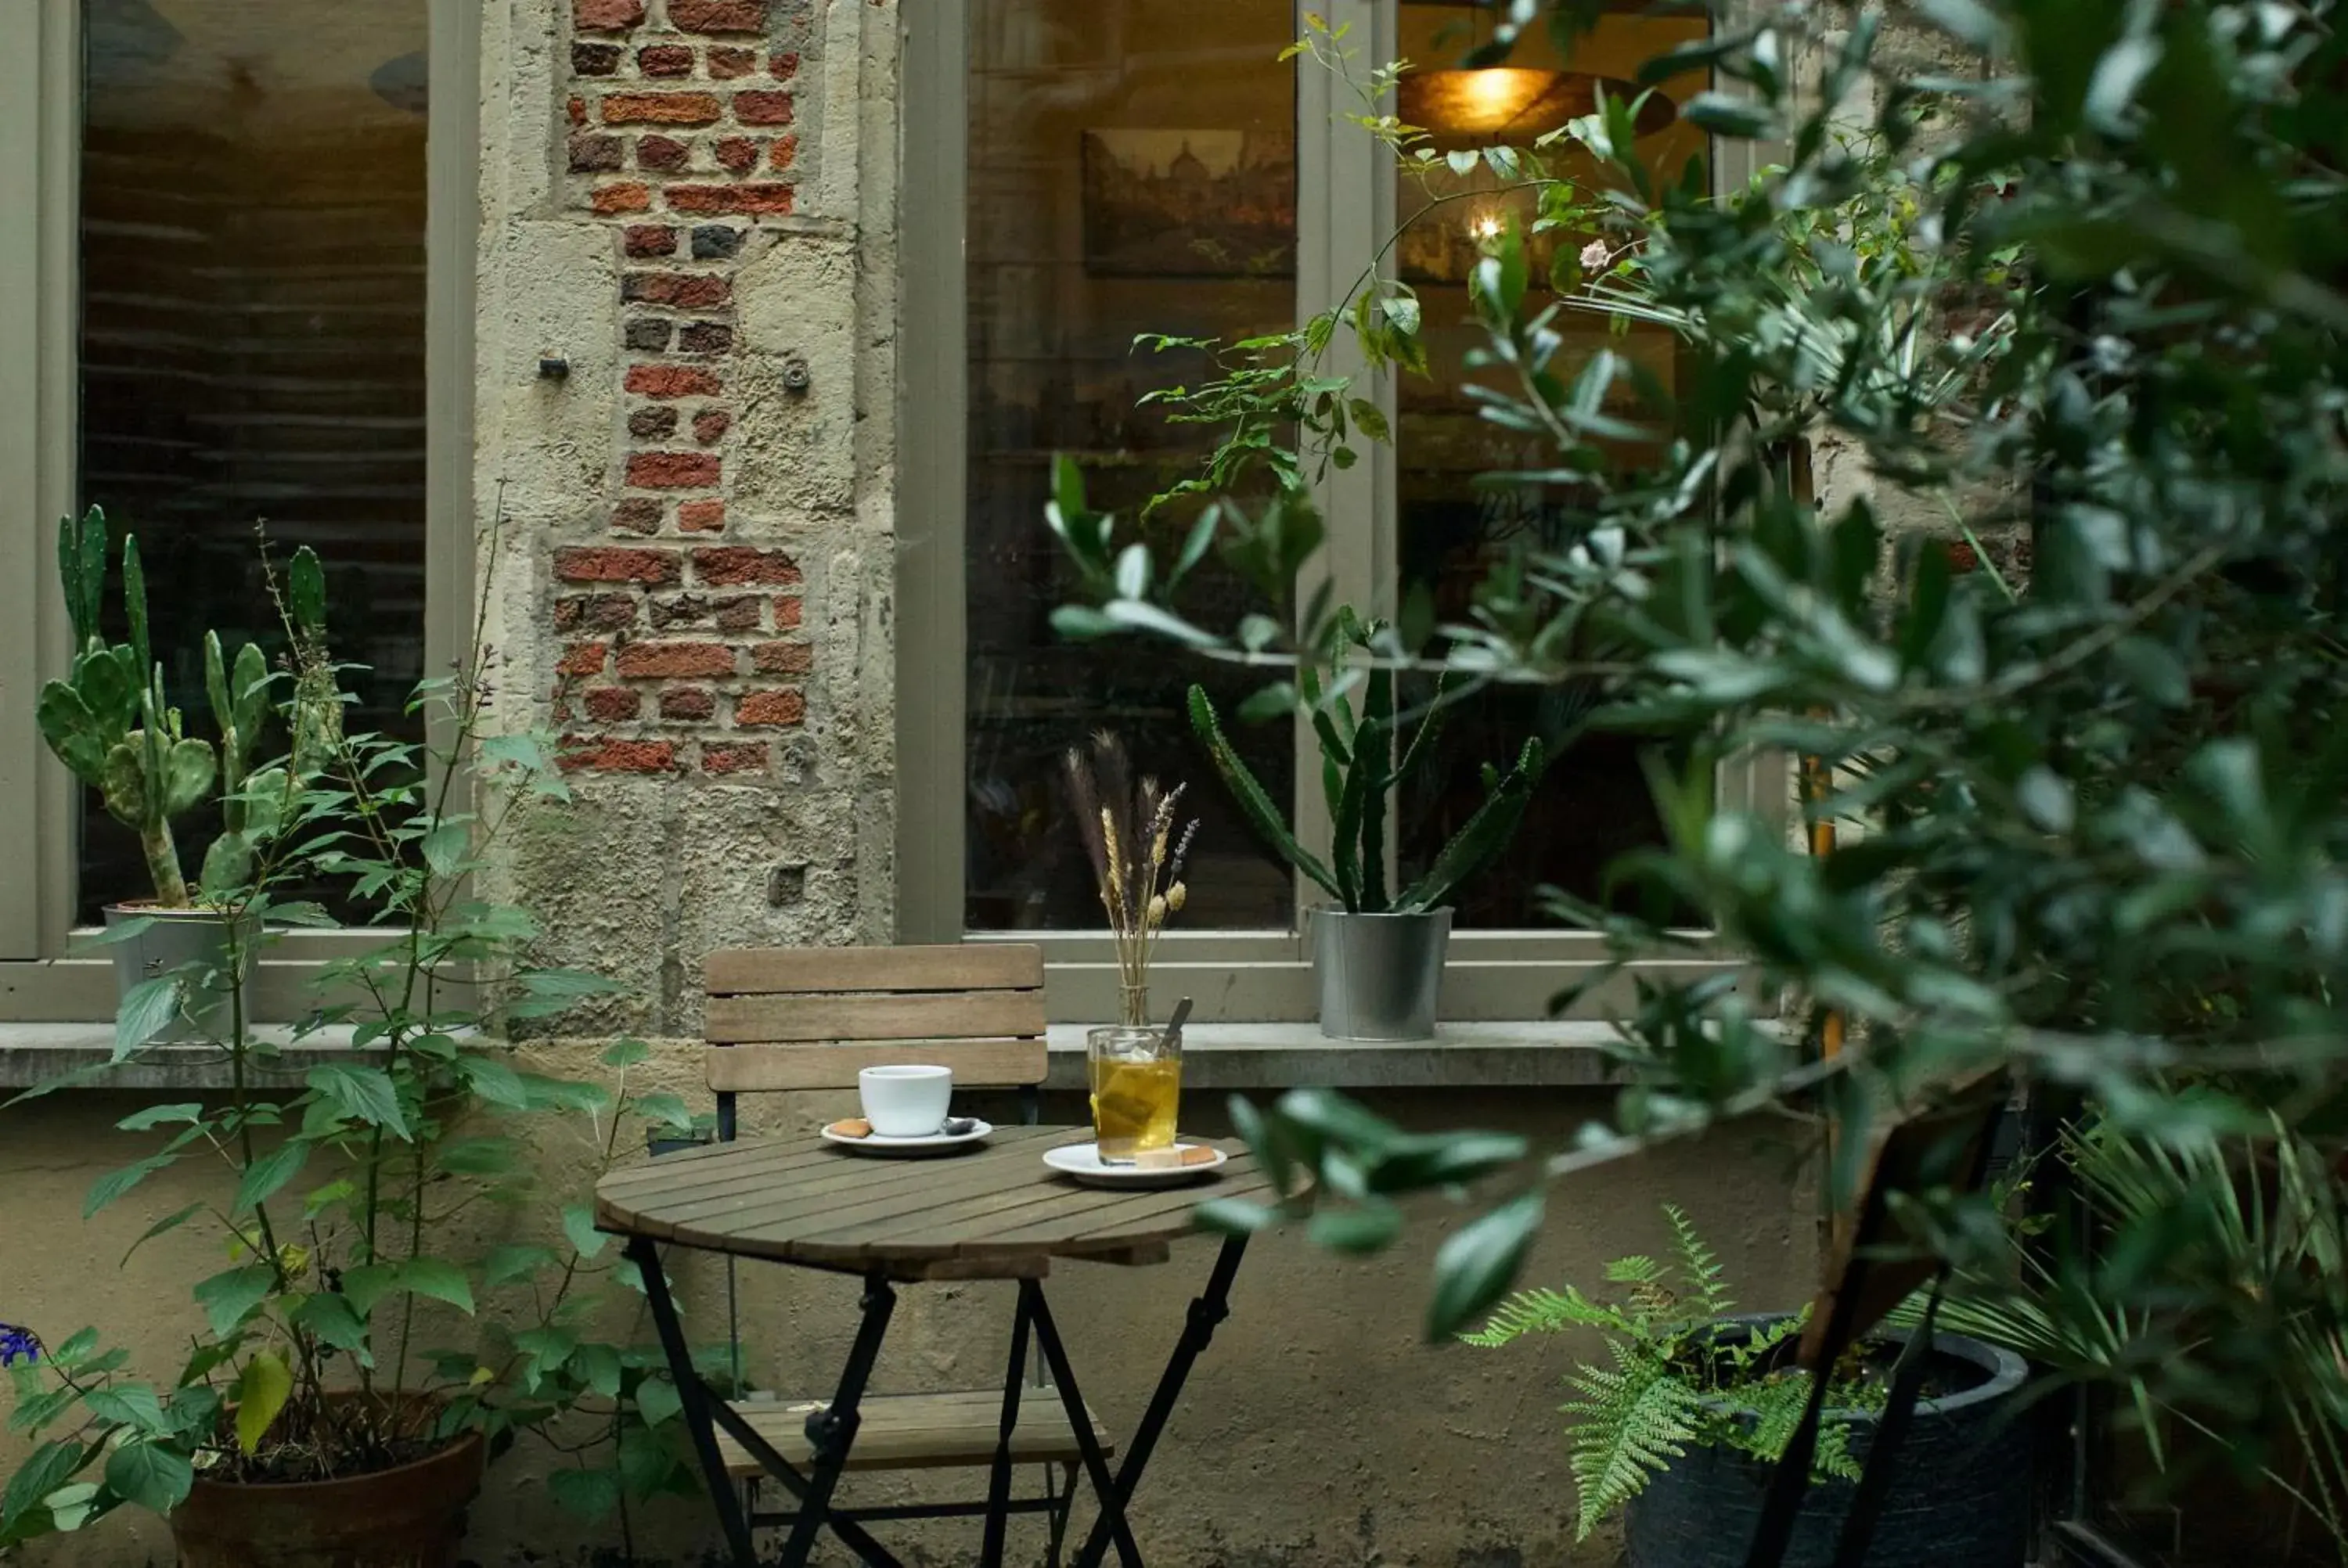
{"points": [[40, 104], [1345, 206]]}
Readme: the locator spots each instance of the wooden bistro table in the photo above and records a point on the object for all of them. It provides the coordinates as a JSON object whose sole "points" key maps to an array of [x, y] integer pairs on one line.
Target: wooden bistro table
{"points": [[997, 1211]]}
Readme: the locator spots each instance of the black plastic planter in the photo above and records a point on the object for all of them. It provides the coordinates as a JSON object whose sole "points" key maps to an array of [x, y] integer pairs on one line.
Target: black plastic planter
{"points": [[1960, 1494]]}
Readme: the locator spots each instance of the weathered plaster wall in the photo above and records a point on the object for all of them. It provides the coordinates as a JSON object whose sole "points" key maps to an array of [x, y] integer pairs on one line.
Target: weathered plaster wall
{"points": [[1317, 1432], [687, 537]]}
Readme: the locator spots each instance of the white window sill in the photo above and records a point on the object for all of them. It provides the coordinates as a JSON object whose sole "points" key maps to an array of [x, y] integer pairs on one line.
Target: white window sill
{"points": [[32, 1053], [1216, 1056]]}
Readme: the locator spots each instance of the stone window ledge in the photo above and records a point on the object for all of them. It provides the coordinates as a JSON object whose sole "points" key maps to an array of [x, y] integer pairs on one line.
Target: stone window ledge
{"points": [[1216, 1056]]}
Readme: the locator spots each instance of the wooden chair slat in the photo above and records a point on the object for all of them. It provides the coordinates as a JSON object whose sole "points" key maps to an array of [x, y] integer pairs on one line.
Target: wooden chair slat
{"points": [[954, 1015], [963, 967], [920, 1431], [976, 1063]]}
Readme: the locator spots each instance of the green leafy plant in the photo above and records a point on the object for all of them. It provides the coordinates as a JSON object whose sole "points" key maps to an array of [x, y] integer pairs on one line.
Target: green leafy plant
{"points": [[1364, 755], [352, 1328], [1683, 1373]]}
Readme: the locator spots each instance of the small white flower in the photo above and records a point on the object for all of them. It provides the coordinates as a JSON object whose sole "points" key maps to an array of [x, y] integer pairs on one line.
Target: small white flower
{"points": [[1595, 255]]}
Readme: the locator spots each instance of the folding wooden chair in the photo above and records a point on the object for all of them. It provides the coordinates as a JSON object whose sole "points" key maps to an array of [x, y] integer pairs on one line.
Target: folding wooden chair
{"points": [[812, 1017]]}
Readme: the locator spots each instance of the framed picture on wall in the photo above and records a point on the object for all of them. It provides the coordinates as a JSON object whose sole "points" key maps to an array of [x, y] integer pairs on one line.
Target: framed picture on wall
{"points": [[1189, 204]]}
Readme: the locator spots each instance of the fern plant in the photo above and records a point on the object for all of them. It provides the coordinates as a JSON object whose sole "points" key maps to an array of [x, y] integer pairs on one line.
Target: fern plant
{"points": [[1677, 1375]]}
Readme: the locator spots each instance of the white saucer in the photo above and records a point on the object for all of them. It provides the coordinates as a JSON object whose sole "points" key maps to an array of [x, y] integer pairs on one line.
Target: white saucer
{"points": [[909, 1148], [1083, 1161]]}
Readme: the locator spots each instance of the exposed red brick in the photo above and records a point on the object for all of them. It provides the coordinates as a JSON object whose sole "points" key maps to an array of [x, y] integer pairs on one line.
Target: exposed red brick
{"points": [[687, 703], [648, 240], [647, 334], [784, 65], [681, 609], [613, 563], [607, 16], [665, 60], [613, 705], [665, 153], [1962, 556], [704, 337], [582, 659], [783, 658], [739, 614], [603, 753], [719, 16], [770, 708], [673, 470], [637, 515], [737, 153], [759, 199], [786, 150], [642, 660], [787, 612], [611, 199], [592, 154], [684, 290], [660, 108], [652, 424], [594, 59], [673, 381], [725, 62], [741, 566], [569, 612], [762, 105], [603, 611], [701, 516], [576, 108], [719, 758], [709, 425]]}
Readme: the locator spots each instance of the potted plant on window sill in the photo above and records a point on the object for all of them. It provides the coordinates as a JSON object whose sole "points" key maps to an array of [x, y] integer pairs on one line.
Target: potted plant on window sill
{"points": [[1377, 954], [111, 724]]}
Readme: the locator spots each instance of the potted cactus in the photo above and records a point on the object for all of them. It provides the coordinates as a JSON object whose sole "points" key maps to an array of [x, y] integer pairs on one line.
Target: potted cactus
{"points": [[1377, 954], [110, 723]]}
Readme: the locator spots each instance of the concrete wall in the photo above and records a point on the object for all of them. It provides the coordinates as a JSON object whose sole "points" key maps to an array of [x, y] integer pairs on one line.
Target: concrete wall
{"points": [[1317, 1432]]}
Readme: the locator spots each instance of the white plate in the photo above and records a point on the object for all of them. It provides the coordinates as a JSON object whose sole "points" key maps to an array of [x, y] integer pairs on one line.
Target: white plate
{"points": [[1083, 1161], [909, 1148]]}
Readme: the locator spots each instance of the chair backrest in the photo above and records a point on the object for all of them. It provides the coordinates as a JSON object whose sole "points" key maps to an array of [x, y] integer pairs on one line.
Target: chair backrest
{"points": [[812, 1017]]}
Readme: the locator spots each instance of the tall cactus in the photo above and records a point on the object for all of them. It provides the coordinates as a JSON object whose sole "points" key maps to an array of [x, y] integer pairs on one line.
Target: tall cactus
{"points": [[110, 721], [253, 804], [1359, 769]]}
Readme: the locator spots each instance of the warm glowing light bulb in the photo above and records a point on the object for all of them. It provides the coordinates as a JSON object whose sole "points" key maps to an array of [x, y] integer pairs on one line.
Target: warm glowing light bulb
{"points": [[1487, 228]]}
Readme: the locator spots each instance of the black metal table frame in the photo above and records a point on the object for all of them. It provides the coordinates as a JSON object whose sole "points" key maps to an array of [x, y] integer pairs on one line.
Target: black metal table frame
{"points": [[831, 1430]]}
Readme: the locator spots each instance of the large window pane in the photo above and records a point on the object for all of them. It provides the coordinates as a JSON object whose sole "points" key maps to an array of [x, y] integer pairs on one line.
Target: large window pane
{"points": [[1594, 804], [252, 333], [1132, 168]]}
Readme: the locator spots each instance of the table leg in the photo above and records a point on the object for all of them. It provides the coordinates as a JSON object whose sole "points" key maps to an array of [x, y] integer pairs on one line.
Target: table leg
{"points": [[998, 1489], [694, 1396], [831, 1431], [1055, 1357], [1211, 1308]]}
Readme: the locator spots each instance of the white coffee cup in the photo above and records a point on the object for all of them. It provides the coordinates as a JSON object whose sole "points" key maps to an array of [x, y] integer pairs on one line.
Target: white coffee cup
{"points": [[905, 1101]]}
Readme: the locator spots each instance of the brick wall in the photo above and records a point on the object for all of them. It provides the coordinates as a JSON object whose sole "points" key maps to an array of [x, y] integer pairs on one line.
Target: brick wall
{"points": [[681, 651]]}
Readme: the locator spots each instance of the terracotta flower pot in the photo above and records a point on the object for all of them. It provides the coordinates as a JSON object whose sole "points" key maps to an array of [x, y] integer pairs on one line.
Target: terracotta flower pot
{"points": [[412, 1516]]}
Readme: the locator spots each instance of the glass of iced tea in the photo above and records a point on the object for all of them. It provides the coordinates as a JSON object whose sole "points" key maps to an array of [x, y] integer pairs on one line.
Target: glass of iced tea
{"points": [[1136, 1084]]}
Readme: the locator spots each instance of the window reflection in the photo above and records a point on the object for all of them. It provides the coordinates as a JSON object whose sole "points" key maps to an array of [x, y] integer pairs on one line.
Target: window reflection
{"points": [[1132, 168], [252, 334]]}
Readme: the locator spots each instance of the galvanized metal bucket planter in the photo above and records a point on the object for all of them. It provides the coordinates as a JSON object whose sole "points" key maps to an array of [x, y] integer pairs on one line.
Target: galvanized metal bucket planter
{"points": [[1381, 976], [175, 937]]}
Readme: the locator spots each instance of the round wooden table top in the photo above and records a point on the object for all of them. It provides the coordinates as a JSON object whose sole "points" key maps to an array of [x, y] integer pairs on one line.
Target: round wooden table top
{"points": [[994, 1212]]}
